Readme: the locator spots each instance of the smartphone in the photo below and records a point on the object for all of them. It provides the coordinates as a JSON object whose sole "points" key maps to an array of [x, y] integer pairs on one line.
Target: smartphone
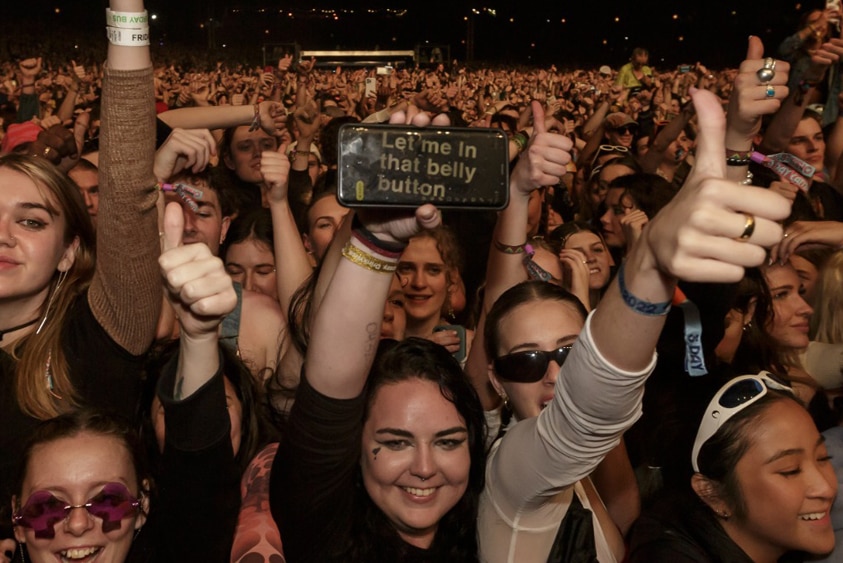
{"points": [[459, 355], [684, 68], [405, 166], [371, 87], [385, 70]]}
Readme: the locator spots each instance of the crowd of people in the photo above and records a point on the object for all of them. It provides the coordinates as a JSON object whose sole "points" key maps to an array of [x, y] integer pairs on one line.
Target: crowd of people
{"points": [[206, 356]]}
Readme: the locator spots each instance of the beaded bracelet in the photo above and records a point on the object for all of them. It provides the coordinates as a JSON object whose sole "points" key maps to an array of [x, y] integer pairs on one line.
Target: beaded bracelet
{"points": [[738, 158], [368, 261], [638, 305]]}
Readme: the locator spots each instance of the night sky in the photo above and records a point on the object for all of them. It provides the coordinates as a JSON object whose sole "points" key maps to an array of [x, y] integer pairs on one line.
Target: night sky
{"points": [[565, 33]]}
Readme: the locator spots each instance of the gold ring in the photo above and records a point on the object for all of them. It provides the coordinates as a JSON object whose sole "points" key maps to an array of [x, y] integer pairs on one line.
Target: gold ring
{"points": [[748, 228]]}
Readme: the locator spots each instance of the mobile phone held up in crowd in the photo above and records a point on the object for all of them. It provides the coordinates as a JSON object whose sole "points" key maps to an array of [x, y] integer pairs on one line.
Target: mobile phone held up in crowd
{"points": [[371, 87], [405, 166], [459, 355], [385, 70]]}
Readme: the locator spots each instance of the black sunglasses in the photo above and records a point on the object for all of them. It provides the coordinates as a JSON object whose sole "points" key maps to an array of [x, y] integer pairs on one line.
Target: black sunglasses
{"points": [[626, 129], [530, 366]]}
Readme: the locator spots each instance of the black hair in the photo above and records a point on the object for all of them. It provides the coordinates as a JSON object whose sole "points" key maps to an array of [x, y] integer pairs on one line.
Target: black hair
{"points": [[254, 223], [456, 535], [649, 192]]}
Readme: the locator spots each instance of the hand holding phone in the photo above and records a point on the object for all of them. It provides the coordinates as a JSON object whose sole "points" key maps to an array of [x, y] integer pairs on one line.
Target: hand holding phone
{"points": [[456, 349]]}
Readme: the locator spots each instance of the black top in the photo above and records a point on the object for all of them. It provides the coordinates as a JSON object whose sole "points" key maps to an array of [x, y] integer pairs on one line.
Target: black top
{"points": [[315, 492], [106, 377], [194, 514]]}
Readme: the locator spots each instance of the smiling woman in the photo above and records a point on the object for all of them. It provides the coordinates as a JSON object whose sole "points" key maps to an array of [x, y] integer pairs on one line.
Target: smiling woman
{"points": [[761, 487]]}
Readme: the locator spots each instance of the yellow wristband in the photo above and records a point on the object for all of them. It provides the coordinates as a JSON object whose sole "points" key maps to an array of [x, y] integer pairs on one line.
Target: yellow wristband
{"points": [[368, 261]]}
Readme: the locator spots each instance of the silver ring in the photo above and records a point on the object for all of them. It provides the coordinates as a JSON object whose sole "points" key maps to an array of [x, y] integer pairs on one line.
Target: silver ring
{"points": [[46, 151], [771, 91], [785, 235], [767, 72]]}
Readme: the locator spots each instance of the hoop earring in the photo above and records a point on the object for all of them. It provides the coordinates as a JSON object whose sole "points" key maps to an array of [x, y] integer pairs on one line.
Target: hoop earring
{"points": [[62, 277]]}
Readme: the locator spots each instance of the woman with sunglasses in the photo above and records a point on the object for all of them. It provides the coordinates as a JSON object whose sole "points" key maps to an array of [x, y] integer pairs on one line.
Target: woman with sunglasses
{"points": [[576, 415], [84, 492], [758, 488]]}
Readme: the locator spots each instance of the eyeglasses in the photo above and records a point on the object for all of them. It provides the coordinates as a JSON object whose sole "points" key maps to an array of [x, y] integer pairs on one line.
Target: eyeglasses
{"points": [[43, 510], [731, 399], [530, 366]]}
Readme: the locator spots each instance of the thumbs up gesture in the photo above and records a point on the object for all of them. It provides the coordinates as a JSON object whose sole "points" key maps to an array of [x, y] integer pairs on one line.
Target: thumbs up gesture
{"points": [[196, 283], [275, 169], [544, 161], [713, 228]]}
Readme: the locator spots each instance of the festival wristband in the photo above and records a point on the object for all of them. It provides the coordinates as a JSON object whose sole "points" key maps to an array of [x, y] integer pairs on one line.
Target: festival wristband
{"points": [[782, 170], [694, 359], [126, 20], [638, 305], [128, 37]]}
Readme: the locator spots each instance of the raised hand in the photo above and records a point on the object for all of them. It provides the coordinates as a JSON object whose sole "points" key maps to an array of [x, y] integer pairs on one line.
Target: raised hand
{"points": [[544, 161], [275, 169], [713, 228], [749, 99], [196, 283], [184, 149], [802, 234]]}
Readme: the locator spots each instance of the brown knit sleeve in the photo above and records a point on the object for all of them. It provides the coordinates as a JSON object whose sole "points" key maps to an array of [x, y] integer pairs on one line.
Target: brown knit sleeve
{"points": [[125, 294]]}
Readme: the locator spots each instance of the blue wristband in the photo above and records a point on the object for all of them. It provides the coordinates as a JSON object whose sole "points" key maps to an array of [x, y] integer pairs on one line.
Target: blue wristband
{"points": [[637, 305]]}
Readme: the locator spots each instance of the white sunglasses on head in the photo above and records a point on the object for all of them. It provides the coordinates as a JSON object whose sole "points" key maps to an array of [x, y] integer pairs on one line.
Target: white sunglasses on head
{"points": [[731, 399]]}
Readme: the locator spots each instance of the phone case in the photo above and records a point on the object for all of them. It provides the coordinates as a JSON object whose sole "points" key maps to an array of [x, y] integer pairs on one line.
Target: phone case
{"points": [[405, 166]]}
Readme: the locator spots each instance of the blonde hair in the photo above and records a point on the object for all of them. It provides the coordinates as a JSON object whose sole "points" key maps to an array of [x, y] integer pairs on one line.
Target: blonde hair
{"points": [[827, 320], [42, 380]]}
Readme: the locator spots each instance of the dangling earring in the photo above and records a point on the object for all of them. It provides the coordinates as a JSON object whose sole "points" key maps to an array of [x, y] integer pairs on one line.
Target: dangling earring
{"points": [[747, 326], [62, 276], [505, 399], [22, 556]]}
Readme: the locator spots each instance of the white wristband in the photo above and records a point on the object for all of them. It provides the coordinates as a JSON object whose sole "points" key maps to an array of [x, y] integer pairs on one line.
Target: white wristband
{"points": [[128, 37], [126, 20]]}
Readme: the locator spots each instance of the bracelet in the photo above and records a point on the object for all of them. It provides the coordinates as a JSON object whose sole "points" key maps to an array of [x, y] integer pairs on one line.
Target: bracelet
{"points": [[366, 237], [366, 260], [738, 158], [509, 248], [297, 152], [521, 140], [128, 37], [126, 20], [639, 306], [256, 122]]}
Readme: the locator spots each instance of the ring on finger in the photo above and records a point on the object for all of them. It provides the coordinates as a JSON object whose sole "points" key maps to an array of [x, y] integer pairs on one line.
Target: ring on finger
{"points": [[767, 72], [771, 91], [784, 236], [748, 228]]}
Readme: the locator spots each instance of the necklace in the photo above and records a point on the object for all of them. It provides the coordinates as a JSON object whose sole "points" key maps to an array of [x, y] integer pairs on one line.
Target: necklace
{"points": [[14, 328]]}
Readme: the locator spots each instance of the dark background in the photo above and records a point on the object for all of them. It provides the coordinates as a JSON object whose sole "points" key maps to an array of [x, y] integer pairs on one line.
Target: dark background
{"points": [[567, 34]]}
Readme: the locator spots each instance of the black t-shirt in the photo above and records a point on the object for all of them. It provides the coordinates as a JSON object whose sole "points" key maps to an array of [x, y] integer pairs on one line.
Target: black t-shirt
{"points": [[105, 376]]}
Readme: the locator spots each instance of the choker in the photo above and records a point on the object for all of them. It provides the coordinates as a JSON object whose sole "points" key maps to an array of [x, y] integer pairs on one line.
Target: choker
{"points": [[14, 328]]}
